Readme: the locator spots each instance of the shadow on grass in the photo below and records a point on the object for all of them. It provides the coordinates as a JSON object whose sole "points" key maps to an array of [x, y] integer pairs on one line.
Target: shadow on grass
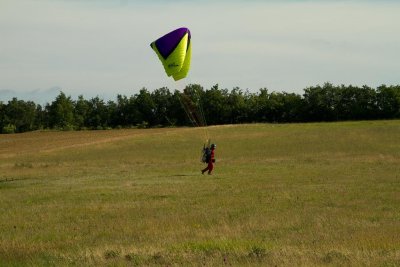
{"points": [[7, 180], [183, 175]]}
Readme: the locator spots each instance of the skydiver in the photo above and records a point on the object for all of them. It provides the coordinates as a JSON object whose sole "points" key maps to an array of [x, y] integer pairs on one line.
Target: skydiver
{"points": [[210, 159]]}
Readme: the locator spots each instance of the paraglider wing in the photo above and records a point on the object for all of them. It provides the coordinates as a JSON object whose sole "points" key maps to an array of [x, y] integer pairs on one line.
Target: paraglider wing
{"points": [[174, 51]]}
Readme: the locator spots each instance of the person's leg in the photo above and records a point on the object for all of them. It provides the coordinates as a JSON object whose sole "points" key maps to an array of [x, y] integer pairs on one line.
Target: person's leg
{"points": [[210, 167], [204, 170]]}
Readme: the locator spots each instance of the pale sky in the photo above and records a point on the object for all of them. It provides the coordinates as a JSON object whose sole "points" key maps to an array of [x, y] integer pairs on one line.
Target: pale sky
{"points": [[102, 47]]}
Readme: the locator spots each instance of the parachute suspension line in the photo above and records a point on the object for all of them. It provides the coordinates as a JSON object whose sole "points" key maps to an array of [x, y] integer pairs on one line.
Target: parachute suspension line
{"points": [[188, 113], [190, 101], [201, 109], [202, 115], [185, 107]]}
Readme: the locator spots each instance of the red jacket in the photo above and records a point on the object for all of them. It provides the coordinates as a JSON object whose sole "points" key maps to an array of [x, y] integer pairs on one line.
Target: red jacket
{"points": [[212, 156]]}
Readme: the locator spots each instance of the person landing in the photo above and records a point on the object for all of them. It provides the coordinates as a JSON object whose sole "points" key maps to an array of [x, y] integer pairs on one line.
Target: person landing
{"points": [[210, 159]]}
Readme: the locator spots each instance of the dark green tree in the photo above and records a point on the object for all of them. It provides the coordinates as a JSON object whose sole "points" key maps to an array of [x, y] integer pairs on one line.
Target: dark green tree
{"points": [[320, 103], [2, 116], [236, 106], [61, 112], [81, 112], [98, 115], [146, 108], [120, 114], [388, 101], [291, 109], [162, 99], [215, 106], [21, 115]]}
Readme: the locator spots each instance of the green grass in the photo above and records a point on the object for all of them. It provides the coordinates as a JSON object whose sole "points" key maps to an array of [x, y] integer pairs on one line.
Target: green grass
{"points": [[282, 194]]}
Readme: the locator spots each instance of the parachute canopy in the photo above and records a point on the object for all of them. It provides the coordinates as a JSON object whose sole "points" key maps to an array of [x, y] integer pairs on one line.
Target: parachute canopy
{"points": [[174, 50]]}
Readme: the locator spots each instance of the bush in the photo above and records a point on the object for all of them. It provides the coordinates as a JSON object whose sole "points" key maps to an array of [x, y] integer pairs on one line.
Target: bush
{"points": [[68, 127], [143, 125], [9, 129]]}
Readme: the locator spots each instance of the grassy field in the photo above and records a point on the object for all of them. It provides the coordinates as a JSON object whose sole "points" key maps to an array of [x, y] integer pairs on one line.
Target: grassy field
{"points": [[281, 195]]}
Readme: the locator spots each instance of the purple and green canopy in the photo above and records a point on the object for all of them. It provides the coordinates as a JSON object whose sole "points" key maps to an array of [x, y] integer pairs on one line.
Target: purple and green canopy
{"points": [[174, 51]]}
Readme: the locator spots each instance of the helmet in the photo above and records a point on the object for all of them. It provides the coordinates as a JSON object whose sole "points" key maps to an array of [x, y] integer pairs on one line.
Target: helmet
{"points": [[213, 145]]}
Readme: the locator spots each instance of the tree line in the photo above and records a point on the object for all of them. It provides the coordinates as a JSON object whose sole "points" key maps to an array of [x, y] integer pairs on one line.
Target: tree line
{"points": [[163, 108]]}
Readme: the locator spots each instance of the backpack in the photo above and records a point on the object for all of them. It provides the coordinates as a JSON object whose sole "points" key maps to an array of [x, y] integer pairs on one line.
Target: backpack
{"points": [[206, 155]]}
